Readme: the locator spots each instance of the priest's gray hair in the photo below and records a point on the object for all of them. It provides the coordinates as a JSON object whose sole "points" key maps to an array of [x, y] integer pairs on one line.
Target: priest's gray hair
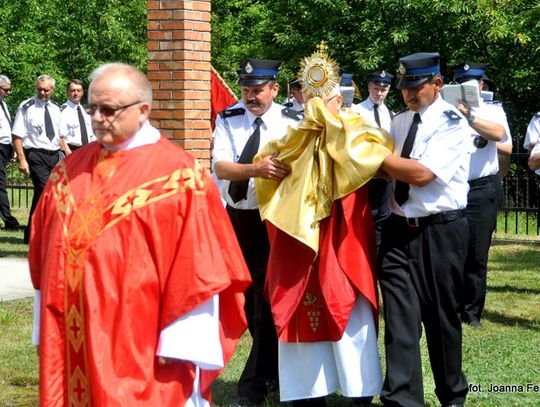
{"points": [[141, 89]]}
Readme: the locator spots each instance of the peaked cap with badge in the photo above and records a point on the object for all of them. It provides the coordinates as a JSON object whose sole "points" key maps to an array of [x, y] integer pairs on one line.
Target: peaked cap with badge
{"points": [[255, 72], [382, 78], [415, 69], [469, 70]]}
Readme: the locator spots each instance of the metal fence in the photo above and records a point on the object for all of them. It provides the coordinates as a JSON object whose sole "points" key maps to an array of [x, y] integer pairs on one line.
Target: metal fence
{"points": [[521, 212], [520, 215]]}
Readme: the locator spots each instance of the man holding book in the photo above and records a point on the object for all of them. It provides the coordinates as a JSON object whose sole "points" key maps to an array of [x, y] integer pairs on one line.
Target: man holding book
{"points": [[490, 134]]}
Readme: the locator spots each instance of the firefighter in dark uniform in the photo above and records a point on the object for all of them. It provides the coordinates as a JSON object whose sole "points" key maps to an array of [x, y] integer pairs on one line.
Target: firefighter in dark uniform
{"points": [[241, 130], [424, 241]]}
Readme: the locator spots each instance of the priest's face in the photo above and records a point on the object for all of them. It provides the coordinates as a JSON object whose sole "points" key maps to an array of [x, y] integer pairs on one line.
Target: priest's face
{"points": [[116, 112], [258, 99]]}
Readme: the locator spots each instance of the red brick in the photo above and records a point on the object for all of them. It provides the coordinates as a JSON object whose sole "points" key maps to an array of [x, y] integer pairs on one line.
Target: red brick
{"points": [[159, 15]]}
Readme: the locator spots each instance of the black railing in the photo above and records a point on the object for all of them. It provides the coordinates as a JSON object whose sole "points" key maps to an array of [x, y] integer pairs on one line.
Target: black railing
{"points": [[520, 215], [20, 193]]}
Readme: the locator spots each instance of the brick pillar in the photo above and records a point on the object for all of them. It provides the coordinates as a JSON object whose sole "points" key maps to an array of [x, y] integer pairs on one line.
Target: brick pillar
{"points": [[179, 70]]}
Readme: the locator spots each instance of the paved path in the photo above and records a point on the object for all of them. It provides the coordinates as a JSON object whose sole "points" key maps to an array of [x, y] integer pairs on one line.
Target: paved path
{"points": [[14, 279]]}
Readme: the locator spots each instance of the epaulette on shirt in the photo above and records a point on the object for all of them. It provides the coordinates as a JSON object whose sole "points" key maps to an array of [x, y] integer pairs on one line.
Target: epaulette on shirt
{"points": [[403, 111], [452, 115], [225, 114], [292, 114], [54, 102], [28, 104], [63, 107]]}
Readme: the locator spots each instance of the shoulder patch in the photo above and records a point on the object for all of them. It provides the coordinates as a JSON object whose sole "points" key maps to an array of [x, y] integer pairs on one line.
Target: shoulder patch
{"points": [[63, 107], [452, 115], [292, 114], [232, 112], [28, 104]]}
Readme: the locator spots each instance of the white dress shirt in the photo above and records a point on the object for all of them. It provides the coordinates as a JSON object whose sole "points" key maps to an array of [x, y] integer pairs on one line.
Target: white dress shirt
{"points": [[231, 135], [5, 125], [70, 128], [29, 124], [367, 111], [443, 145]]}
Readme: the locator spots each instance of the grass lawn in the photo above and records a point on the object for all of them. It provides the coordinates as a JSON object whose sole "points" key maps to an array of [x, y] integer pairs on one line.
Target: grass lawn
{"points": [[503, 352], [11, 241]]}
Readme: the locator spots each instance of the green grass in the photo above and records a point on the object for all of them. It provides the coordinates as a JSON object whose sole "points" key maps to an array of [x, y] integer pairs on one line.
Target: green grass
{"points": [[518, 226], [503, 352], [11, 241]]}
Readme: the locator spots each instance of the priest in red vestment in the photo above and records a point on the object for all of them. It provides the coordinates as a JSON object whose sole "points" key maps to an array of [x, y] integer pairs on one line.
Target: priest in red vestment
{"points": [[138, 275], [320, 278]]}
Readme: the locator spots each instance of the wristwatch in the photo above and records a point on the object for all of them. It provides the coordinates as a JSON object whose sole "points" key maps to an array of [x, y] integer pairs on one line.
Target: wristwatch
{"points": [[471, 118]]}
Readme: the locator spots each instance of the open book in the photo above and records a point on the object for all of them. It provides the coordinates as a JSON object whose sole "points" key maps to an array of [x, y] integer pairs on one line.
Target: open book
{"points": [[467, 91]]}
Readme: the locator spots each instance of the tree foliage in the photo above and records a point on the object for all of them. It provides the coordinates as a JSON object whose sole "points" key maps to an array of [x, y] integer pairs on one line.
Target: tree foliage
{"points": [[67, 40], [367, 35]]}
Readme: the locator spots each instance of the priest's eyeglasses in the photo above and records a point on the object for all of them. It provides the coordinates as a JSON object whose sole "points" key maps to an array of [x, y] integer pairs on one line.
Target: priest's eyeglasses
{"points": [[109, 111]]}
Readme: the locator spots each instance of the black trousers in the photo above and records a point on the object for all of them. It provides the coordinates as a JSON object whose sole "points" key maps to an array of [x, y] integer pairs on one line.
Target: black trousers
{"points": [[379, 191], [420, 272], [484, 200], [41, 163], [262, 363], [6, 152]]}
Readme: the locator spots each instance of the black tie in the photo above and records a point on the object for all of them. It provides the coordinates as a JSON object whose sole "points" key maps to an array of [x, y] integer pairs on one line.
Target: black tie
{"points": [[238, 189], [49, 129], [401, 192], [376, 113], [82, 124], [6, 113]]}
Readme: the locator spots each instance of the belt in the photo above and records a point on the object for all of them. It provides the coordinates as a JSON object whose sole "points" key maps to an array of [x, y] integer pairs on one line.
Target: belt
{"points": [[441, 217], [484, 180], [43, 151]]}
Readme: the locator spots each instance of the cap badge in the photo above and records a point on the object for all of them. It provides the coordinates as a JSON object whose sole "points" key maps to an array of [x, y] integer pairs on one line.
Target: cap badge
{"points": [[402, 70], [383, 74], [248, 68], [466, 67]]}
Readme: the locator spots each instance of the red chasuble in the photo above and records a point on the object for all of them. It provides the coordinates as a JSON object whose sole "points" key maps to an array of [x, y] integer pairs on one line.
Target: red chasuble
{"points": [[123, 244], [313, 295]]}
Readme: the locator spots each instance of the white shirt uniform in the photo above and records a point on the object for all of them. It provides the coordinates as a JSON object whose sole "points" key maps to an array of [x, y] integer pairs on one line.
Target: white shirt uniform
{"points": [[484, 159], [443, 145], [29, 124], [231, 135], [294, 104], [536, 150], [5, 126], [533, 132], [366, 110], [70, 128]]}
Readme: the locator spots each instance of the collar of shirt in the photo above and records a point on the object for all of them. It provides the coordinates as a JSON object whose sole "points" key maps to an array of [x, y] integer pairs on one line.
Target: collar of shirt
{"points": [[147, 134], [371, 104], [72, 104]]}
